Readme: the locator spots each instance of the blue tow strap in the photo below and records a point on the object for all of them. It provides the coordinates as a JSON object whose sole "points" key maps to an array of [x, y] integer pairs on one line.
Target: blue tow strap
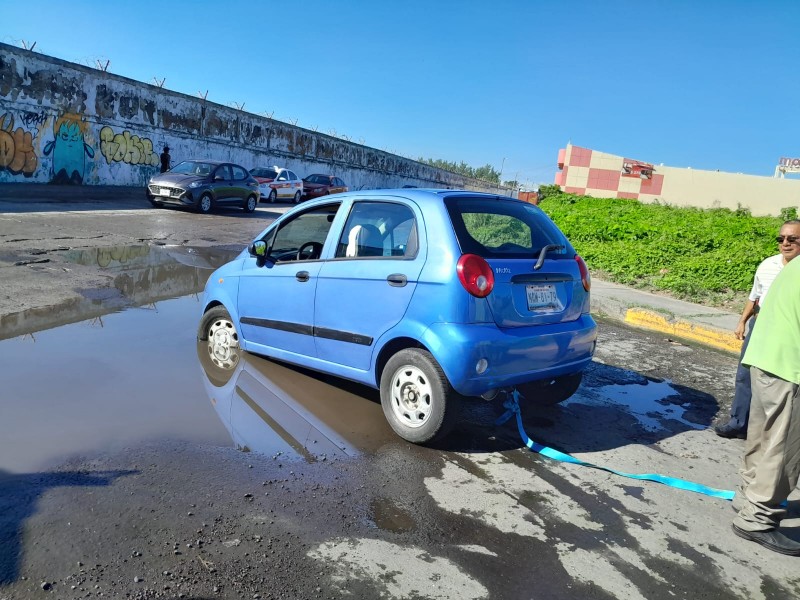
{"points": [[512, 408]]}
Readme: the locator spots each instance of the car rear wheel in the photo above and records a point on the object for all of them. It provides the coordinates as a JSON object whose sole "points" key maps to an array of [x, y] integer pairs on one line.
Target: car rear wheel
{"points": [[273, 196], [297, 197], [250, 204], [417, 399], [551, 391], [217, 328], [204, 204]]}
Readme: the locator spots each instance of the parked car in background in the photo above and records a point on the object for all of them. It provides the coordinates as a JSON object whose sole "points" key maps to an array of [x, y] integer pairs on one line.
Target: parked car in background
{"points": [[204, 184], [276, 183], [430, 296], [318, 185]]}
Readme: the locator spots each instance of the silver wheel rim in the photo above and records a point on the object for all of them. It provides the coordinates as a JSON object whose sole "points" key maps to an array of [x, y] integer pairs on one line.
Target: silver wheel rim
{"points": [[272, 196], [205, 203], [411, 396], [223, 342], [297, 198], [251, 204]]}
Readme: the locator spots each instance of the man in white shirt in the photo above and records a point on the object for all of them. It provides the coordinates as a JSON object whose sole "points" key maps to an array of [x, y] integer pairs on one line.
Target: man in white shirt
{"points": [[789, 247]]}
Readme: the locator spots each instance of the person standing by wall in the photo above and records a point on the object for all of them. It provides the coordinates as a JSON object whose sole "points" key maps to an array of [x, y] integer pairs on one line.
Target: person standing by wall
{"points": [[789, 248], [165, 160], [771, 462]]}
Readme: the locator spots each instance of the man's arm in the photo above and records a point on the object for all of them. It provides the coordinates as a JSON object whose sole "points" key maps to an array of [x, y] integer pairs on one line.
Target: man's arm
{"points": [[749, 311]]}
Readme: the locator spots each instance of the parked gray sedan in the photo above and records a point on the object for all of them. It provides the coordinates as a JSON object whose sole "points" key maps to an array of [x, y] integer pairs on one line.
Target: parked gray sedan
{"points": [[204, 184]]}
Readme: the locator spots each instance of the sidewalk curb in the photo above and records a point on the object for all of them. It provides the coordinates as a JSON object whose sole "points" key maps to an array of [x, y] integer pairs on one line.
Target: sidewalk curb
{"points": [[690, 322], [646, 319]]}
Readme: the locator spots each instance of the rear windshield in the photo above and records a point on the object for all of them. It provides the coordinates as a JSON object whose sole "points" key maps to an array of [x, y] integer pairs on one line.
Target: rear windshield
{"points": [[265, 173], [495, 228]]}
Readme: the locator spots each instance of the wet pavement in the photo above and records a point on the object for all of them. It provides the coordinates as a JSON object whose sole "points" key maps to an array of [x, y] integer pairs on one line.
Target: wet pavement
{"points": [[134, 465]]}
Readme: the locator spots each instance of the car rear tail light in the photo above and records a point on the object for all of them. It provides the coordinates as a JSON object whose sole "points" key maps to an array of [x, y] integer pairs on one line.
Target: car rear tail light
{"points": [[475, 275], [586, 279]]}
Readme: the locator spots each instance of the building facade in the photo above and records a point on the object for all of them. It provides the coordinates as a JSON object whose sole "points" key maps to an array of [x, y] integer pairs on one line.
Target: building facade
{"points": [[601, 175]]}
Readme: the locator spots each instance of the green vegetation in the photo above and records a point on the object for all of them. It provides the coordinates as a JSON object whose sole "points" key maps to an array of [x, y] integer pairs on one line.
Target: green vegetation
{"points": [[485, 173], [701, 255]]}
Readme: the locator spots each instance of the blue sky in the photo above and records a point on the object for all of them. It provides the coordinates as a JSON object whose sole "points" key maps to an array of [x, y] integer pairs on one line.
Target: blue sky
{"points": [[702, 84]]}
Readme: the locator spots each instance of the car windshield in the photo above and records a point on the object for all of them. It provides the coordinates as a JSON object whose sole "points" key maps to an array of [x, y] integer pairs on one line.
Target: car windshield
{"points": [[315, 179], [495, 228], [192, 167], [265, 173]]}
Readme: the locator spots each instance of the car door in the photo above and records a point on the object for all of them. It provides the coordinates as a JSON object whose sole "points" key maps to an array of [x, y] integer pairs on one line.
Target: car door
{"points": [[239, 188], [221, 183], [282, 187], [365, 289], [276, 301], [297, 183]]}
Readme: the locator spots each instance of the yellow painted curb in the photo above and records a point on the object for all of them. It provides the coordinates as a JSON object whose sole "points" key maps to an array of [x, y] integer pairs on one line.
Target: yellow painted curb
{"points": [[651, 320]]}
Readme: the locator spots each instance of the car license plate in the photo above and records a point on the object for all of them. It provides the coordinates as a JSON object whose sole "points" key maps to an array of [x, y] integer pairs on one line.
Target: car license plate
{"points": [[542, 297], [166, 192]]}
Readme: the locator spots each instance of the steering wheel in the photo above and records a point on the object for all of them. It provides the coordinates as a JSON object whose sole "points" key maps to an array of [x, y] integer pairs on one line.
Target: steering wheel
{"points": [[316, 250]]}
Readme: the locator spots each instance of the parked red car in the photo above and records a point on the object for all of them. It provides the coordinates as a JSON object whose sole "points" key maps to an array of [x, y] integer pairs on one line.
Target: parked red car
{"points": [[318, 185]]}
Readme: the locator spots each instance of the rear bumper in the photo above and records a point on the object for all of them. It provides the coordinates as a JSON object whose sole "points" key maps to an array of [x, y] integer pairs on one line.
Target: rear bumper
{"points": [[515, 355]]}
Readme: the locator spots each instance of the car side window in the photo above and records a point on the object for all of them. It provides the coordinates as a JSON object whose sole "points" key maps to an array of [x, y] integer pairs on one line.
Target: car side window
{"points": [[378, 229], [307, 232], [239, 173], [292, 176], [282, 176], [222, 171]]}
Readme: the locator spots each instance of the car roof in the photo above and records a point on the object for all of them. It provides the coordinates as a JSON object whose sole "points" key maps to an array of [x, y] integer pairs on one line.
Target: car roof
{"points": [[209, 161], [422, 196]]}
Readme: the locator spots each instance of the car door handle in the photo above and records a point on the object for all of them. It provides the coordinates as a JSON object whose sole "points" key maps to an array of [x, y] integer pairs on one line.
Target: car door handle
{"points": [[397, 280], [302, 276]]}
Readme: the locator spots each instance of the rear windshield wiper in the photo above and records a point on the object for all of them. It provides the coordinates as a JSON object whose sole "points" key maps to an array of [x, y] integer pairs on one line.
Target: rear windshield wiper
{"points": [[545, 250]]}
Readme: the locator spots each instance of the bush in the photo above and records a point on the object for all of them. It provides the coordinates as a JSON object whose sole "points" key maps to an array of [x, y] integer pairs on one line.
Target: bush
{"points": [[703, 255]]}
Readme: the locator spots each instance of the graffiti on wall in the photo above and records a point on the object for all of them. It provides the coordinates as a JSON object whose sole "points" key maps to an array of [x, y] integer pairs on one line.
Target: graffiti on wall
{"points": [[69, 149], [127, 148], [16, 148]]}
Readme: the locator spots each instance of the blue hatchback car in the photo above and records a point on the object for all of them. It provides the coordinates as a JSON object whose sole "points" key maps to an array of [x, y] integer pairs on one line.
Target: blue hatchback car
{"points": [[430, 296]]}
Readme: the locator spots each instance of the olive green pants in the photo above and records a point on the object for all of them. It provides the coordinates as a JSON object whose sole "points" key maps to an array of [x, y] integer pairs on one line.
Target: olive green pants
{"points": [[771, 463]]}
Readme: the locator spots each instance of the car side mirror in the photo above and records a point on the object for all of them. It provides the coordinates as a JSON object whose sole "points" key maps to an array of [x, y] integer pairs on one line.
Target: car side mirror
{"points": [[258, 249]]}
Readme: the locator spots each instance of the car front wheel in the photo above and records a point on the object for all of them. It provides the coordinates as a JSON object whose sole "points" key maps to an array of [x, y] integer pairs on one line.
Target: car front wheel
{"points": [[250, 204], [273, 196], [218, 329], [204, 204], [417, 399]]}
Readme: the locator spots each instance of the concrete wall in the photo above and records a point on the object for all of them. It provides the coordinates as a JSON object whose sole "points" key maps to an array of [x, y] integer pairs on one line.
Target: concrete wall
{"points": [[62, 122], [602, 175]]}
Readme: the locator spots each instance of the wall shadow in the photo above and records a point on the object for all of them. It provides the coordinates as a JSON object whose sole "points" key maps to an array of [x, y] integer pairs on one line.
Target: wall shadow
{"points": [[19, 494]]}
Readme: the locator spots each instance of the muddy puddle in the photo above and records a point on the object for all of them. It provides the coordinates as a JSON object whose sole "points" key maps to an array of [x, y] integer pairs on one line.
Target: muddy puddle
{"points": [[139, 376], [140, 275]]}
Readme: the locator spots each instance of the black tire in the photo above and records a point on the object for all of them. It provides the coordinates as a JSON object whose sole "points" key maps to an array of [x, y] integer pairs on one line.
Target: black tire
{"points": [[273, 196], [297, 197], [550, 391], [205, 204], [250, 204], [417, 399], [216, 317]]}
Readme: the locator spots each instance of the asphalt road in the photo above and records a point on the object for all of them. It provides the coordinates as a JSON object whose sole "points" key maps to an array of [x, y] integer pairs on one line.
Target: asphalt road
{"points": [[130, 468]]}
